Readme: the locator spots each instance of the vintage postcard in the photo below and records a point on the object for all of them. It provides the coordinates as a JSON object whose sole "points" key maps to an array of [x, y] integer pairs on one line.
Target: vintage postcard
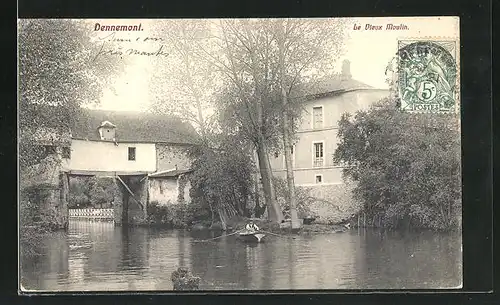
{"points": [[239, 154]]}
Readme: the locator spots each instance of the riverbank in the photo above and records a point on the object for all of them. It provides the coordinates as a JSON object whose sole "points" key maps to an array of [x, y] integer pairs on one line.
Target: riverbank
{"points": [[188, 218], [239, 223]]}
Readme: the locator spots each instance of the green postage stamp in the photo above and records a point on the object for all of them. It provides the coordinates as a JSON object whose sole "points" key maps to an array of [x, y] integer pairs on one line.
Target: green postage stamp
{"points": [[428, 76]]}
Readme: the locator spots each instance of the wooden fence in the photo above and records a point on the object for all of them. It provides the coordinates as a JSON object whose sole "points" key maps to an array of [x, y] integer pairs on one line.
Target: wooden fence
{"points": [[91, 214]]}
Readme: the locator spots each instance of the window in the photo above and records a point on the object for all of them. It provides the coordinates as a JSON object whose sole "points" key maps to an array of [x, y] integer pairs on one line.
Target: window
{"points": [[319, 178], [66, 152], [317, 117], [131, 153], [318, 154], [276, 154]]}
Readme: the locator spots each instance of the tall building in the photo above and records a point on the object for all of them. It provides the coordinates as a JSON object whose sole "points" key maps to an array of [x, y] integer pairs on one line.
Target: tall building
{"points": [[316, 137], [330, 197]]}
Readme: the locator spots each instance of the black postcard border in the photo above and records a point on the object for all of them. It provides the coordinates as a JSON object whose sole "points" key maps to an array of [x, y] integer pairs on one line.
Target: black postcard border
{"points": [[477, 106]]}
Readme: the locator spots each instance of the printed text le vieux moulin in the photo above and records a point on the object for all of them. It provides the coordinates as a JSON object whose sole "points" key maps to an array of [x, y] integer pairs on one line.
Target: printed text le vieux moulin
{"points": [[388, 27]]}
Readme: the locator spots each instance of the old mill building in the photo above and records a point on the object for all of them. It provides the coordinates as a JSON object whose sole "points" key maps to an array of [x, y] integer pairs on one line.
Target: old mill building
{"points": [[144, 152]]}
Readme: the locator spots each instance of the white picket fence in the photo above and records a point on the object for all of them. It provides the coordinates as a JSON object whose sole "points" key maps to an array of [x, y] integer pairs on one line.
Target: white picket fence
{"points": [[91, 214]]}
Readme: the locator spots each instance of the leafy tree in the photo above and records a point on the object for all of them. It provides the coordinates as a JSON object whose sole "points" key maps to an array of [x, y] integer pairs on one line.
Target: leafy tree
{"points": [[58, 72], [91, 192], [221, 179], [407, 166]]}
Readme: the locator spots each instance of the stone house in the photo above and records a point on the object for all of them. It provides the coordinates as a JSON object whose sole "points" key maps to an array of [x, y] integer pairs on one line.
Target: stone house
{"points": [[316, 141], [145, 153]]}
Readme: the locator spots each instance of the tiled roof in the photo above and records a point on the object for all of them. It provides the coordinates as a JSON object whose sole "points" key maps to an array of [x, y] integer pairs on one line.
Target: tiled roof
{"points": [[134, 127], [331, 84], [170, 173], [107, 124]]}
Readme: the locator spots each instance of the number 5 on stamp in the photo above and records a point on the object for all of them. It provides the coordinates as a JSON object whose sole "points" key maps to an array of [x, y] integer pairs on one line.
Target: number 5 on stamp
{"points": [[428, 76]]}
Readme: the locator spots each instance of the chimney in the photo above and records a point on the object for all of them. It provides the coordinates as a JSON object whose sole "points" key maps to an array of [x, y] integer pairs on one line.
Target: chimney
{"points": [[346, 70], [107, 131]]}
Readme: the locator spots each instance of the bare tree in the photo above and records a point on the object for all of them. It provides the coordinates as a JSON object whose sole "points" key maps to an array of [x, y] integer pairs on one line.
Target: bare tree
{"points": [[306, 49], [183, 84], [260, 65]]}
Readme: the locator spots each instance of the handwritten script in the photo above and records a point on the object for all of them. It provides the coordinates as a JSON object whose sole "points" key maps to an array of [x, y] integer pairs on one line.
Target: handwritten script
{"points": [[119, 46]]}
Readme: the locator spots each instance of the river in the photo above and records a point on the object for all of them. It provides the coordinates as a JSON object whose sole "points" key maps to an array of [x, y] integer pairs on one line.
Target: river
{"points": [[96, 256]]}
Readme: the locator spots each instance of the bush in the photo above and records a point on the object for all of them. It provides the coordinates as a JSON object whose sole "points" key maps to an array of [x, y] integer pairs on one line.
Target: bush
{"points": [[197, 213], [158, 214], [170, 215], [184, 280], [36, 219], [31, 232], [407, 166]]}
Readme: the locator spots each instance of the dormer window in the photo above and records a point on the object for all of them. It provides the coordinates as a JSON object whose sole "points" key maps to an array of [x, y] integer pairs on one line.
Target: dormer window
{"points": [[107, 131]]}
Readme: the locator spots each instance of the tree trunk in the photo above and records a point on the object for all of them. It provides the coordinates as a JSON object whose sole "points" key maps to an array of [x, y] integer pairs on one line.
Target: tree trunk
{"points": [[273, 208], [222, 214], [289, 173], [286, 134]]}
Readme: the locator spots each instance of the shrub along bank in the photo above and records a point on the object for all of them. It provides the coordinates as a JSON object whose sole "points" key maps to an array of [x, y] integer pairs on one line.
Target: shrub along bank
{"points": [[406, 166], [176, 215], [37, 217]]}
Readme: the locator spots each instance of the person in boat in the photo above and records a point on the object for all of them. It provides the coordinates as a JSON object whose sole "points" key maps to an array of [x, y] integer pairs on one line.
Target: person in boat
{"points": [[252, 227]]}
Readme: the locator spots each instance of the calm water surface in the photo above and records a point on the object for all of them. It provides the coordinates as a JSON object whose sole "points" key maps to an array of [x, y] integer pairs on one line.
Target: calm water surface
{"points": [[96, 256]]}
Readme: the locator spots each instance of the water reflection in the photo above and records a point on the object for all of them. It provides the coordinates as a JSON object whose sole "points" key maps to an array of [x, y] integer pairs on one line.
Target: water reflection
{"points": [[98, 256]]}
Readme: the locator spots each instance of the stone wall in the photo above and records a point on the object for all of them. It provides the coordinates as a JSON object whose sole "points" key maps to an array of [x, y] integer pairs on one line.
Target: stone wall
{"points": [[170, 156], [163, 190], [47, 178], [61, 205], [118, 202], [332, 203], [168, 190]]}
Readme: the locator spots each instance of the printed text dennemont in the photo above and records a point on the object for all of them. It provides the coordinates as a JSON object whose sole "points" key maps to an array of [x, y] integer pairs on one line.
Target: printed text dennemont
{"points": [[104, 28]]}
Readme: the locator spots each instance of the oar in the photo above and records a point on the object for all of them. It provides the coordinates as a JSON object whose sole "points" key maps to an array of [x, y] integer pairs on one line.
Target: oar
{"points": [[277, 234], [203, 240]]}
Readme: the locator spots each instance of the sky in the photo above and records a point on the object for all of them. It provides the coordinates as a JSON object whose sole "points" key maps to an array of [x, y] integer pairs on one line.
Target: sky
{"points": [[369, 52]]}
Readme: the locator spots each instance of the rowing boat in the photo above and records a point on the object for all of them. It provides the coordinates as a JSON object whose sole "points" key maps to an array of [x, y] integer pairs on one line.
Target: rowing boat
{"points": [[254, 237]]}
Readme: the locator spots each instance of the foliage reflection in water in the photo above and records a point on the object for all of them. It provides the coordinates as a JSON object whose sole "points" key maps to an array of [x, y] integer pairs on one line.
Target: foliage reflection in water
{"points": [[96, 256]]}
